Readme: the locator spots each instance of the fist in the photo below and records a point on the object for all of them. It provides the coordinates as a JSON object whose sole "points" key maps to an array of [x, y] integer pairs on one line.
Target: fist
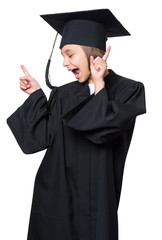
{"points": [[98, 66]]}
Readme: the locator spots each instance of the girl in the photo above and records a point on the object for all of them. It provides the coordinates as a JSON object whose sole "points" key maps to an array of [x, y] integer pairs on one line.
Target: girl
{"points": [[86, 127]]}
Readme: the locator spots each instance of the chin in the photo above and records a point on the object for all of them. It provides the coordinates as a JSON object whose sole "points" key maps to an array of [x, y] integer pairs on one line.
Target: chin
{"points": [[83, 79], [80, 79]]}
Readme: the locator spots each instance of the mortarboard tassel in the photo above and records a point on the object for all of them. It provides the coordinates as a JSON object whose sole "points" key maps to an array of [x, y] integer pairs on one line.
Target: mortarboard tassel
{"points": [[47, 76]]}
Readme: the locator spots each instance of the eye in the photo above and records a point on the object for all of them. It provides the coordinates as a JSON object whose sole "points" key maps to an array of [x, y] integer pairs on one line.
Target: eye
{"points": [[70, 55]]}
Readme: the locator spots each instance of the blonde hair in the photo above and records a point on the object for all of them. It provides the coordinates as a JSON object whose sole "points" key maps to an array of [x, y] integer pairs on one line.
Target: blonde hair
{"points": [[92, 51]]}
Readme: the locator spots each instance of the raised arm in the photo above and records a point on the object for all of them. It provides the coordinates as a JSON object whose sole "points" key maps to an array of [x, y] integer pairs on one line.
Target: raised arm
{"points": [[32, 122]]}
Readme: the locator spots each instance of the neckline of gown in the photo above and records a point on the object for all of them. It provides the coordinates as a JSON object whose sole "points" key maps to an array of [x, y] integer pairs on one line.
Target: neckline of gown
{"points": [[85, 91]]}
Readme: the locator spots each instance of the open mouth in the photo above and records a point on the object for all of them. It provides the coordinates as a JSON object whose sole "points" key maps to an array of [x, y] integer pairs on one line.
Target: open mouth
{"points": [[76, 72]]}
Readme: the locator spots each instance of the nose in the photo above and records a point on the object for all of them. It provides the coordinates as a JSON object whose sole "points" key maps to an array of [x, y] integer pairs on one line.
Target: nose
{"points": [[65, 62]]}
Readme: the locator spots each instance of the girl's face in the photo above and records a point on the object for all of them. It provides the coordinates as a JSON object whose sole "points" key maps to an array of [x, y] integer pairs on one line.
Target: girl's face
{"points": [[76, 61]]}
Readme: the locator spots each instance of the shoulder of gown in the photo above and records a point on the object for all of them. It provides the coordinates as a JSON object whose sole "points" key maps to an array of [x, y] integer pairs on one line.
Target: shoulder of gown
{"points": [[118, 87]]}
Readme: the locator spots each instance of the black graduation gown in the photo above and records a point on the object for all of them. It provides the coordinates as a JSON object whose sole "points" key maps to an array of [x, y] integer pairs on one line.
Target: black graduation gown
{"points": [[78, 183]]}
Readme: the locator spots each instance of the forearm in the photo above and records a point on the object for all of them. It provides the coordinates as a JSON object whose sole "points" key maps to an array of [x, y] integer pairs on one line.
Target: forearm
{"points": [[31, 123]]}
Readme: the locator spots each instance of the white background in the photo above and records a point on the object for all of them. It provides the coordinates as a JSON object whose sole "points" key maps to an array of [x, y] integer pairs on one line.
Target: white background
{"points": [[27, 39]]}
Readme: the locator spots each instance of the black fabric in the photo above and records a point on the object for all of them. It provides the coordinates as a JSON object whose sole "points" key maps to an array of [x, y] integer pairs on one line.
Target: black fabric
{"points": [[84, 32], [78, 184], [88, 28]]}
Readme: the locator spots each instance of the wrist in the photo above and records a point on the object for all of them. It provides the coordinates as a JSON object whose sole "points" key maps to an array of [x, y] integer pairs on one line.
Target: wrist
{"points": [[99, 86], [34, 90], [99, 83]]}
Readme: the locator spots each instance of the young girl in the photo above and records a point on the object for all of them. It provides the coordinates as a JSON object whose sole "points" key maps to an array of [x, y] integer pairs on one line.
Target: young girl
{"points": [[86, 127]]}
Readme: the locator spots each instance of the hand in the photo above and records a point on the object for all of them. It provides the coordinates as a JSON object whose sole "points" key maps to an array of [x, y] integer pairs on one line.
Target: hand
{"points": [[27, 83], [98, 66]]}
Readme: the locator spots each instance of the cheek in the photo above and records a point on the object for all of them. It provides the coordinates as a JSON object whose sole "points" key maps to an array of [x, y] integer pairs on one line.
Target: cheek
{"points": [[85, 73], [83, 63], [75, 61], [86, 67]]}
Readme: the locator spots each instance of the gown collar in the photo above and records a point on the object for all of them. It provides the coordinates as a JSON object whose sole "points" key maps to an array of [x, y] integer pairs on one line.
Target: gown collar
{"points": [[84, 88]]}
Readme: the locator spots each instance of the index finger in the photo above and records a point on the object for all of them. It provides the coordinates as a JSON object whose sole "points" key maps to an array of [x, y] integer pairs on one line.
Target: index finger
{"points": [[25, 71], [106, 53]]}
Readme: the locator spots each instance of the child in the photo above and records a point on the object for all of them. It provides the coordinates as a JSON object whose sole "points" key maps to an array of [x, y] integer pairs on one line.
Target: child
{"points": [[86, 130]]}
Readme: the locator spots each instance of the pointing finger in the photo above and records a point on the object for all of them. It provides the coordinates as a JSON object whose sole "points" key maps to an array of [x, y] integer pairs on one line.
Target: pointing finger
{"points": [[106, 53], [25, 71]]}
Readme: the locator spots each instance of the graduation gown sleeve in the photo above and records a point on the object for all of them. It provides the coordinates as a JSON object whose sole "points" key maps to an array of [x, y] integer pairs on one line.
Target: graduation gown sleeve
{"points": [[101, 119], [31, 123]]}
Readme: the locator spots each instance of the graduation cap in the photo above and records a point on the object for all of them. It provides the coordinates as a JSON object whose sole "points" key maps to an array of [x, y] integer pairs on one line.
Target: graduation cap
{"points": [[88, 28]]}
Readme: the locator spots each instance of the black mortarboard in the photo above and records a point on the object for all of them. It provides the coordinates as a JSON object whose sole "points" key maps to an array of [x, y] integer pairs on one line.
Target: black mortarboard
{"points": [[87, 28]]}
